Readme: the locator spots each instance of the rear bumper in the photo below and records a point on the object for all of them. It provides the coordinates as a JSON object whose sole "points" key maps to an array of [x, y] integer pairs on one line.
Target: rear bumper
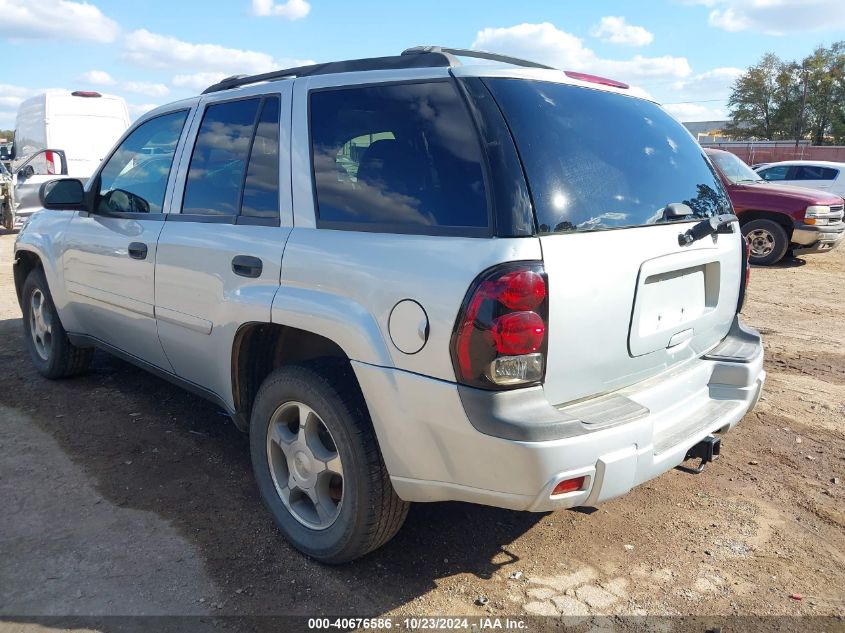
{"points": [[816, 239], [436, 449]]}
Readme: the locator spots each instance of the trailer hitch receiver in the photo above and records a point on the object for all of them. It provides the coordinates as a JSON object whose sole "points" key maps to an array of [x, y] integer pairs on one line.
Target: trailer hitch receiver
{"points": [[707, 450]]}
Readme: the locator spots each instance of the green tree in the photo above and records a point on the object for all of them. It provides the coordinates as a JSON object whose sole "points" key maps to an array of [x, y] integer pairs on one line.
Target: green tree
{"points": [[825, 77], [754, 100], [776, 100]]}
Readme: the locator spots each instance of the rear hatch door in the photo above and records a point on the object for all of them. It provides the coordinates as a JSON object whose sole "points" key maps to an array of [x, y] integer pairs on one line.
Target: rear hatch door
{"points": [[627, 300]]}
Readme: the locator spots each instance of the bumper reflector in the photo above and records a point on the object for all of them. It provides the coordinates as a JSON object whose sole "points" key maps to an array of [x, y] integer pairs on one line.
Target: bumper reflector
{"points": [[568, 485]]}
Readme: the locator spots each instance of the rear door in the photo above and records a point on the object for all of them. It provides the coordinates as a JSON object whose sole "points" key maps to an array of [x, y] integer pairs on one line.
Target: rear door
{"points": [[219, 255], [814, 176], [627, 301]]}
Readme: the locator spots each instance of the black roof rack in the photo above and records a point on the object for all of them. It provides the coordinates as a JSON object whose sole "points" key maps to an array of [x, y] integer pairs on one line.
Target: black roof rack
{"points": [[416, 57]]}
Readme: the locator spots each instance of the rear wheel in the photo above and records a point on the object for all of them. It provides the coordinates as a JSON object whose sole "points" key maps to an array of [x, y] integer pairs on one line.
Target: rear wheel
{"points": [[52, 353], [767, 241], [318, 465]]}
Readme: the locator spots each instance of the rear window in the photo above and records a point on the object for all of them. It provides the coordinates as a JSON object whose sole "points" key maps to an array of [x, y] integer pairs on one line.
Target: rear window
{"points": [[815, 172], [597, 160], [397, 158]]}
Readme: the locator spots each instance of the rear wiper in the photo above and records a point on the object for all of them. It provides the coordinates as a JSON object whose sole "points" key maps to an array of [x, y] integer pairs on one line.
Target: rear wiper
{"points": [[722, 223]]}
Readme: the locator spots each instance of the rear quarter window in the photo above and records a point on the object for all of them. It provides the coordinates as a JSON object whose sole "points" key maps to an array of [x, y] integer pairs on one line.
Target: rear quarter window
{"points": [[597, 160], [397, 158], [815, 172]]}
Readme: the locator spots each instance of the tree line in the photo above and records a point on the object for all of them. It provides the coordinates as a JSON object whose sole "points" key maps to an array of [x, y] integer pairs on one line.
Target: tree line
{"points": [[785, 100]]}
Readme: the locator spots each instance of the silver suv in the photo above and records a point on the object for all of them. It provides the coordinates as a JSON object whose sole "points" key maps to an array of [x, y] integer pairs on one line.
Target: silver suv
{"points": [[411, 280]]}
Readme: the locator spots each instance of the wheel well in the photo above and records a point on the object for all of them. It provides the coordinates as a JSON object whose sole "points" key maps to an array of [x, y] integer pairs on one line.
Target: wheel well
{"points": [[780, 218], [260, 348], [25, 263]]}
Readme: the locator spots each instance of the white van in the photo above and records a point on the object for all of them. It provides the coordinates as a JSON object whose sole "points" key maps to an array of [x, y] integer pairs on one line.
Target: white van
{"points": [[62, 133]]}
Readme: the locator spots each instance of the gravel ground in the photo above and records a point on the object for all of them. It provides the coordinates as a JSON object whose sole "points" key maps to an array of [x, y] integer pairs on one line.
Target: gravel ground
{"points": [[122, 494]]}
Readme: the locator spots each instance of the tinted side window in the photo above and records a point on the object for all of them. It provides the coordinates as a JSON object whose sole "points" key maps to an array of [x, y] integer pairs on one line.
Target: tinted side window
{"points": [[261, 188], [219, 158], [814, 172], [134, 179], [774, 173], [400, 157]]}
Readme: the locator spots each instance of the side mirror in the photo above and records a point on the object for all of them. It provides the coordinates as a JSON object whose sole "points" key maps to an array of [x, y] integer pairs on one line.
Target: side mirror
{"points": [[28, 171], [64, 194]]}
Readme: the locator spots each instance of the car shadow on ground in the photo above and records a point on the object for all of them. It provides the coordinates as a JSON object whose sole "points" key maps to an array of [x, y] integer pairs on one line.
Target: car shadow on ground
{"points": [[151, 446], [788, 262]]}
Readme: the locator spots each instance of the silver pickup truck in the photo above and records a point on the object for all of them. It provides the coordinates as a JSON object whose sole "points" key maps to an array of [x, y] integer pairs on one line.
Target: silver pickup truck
{"points": [[411, 280]]}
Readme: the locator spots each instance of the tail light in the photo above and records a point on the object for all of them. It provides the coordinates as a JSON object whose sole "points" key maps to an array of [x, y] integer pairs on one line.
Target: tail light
{"points": [[51, 162], [745, 272], [500, 337]]}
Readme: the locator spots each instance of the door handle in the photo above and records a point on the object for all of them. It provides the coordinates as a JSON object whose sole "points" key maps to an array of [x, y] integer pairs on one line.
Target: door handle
{"points": [[138, 250], [247, 266]]}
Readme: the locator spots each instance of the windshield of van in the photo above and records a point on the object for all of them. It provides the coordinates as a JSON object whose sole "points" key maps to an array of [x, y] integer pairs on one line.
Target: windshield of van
{"points": [[597, 160], [734, 169]]}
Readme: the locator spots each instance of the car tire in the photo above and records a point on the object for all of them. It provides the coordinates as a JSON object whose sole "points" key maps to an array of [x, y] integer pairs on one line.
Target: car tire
{"points": [[52, 353], [767, 241], [308, 422]]}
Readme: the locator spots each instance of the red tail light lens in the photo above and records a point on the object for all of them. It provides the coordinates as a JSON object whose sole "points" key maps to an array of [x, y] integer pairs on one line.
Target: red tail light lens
{"points": [[500, 335], [522, 290], [518, 333]]}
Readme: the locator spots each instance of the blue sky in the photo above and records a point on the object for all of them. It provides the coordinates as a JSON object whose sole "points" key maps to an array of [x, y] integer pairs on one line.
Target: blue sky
{"points": [[683, 53]]}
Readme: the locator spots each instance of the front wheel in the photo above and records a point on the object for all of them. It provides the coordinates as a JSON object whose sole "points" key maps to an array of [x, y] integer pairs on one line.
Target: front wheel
{"points": [[318, 465], [767, 241], [52, 353]]}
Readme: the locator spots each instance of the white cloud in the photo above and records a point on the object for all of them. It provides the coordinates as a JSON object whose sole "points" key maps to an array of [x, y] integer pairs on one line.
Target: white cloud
{"points": [[7, 119], [713, 84], [98, 78], [775, 17], [146, 88], [11, 96], [616, 30], [197, 81], [687, 112], [59, 19], [136, 110], [153, 50], [546, 43], [289, 10]]}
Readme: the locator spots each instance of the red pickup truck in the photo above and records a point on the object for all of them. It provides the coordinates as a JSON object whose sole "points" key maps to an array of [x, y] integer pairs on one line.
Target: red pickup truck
{"points": [[777, 219]]}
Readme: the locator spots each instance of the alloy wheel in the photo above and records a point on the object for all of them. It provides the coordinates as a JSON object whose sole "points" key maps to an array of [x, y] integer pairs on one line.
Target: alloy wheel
{"points": [[761, 242], [40, 324], [305, 465]]}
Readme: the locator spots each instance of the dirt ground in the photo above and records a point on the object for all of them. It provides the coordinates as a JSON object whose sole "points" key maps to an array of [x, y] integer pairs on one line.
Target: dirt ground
{"points": [[122, 494]]}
